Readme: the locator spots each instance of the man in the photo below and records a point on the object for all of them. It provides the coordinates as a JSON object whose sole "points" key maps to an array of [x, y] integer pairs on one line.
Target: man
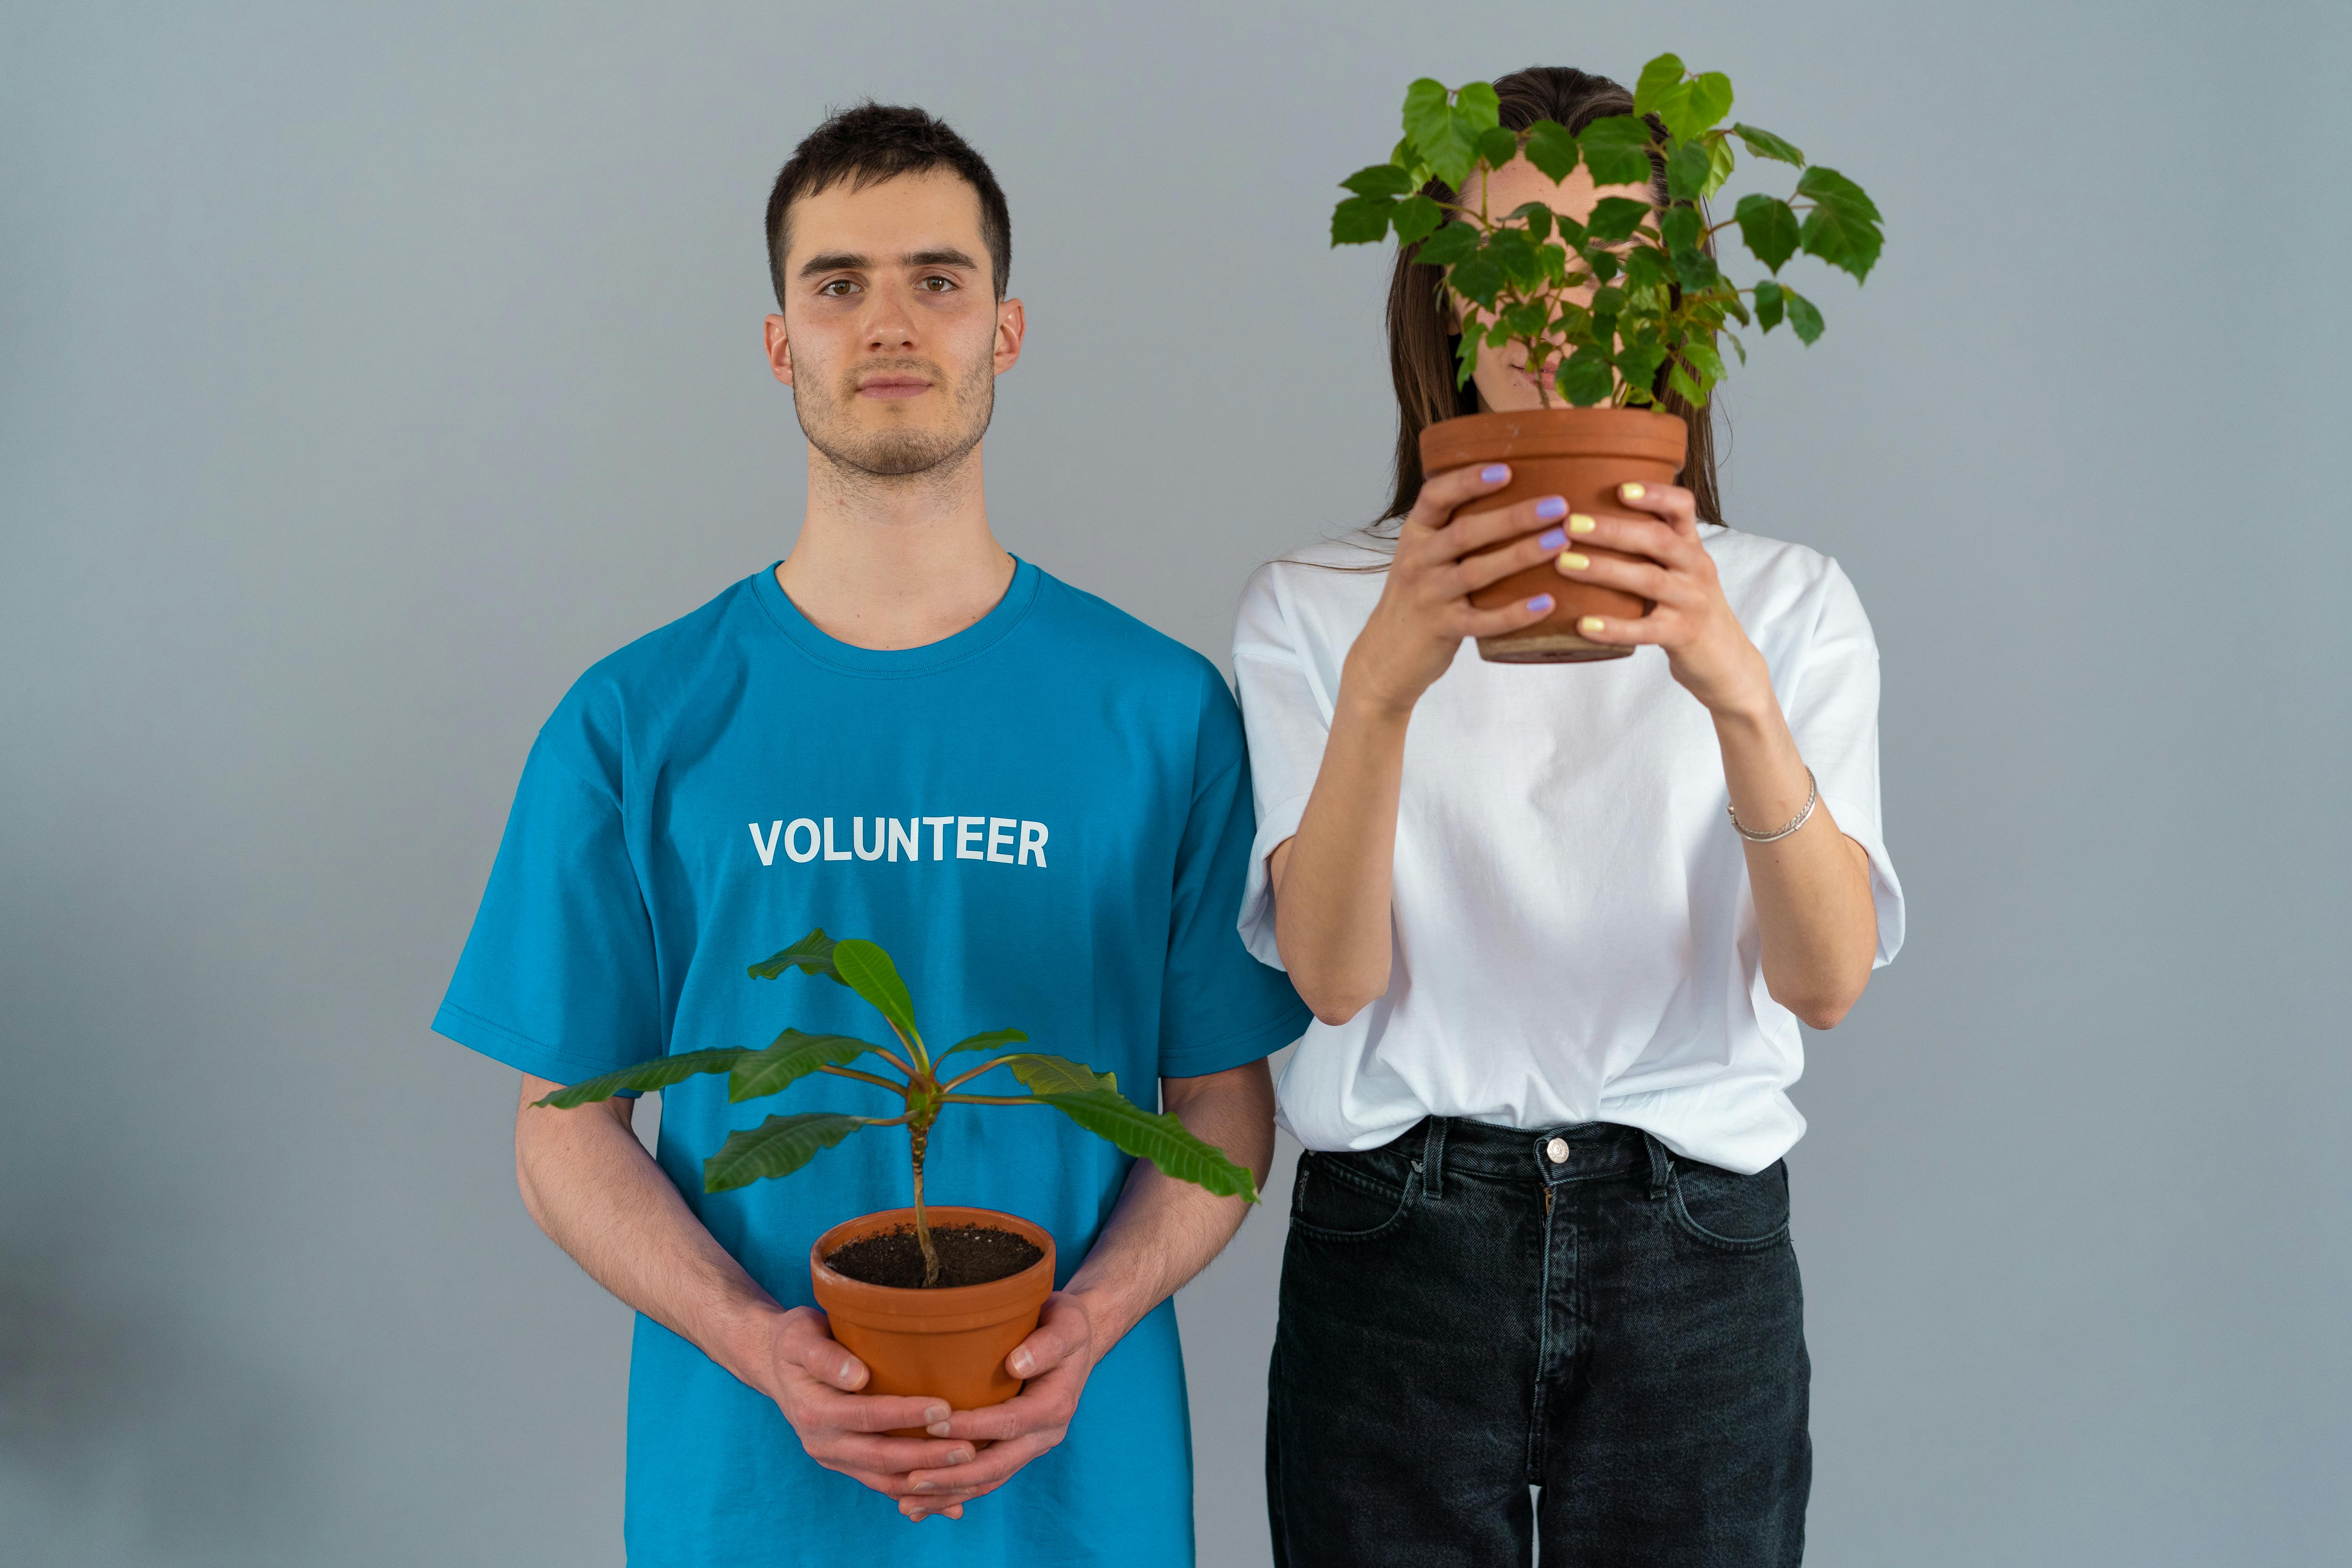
{"points": [[1039, 806]]}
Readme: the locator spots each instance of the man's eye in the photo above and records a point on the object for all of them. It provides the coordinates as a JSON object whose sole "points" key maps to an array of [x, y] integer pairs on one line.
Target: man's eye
{"points": [[838, 288], [937, 284]]}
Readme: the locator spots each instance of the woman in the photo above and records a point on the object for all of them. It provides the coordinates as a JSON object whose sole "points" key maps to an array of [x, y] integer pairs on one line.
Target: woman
{"points": [[1539, 1239]]}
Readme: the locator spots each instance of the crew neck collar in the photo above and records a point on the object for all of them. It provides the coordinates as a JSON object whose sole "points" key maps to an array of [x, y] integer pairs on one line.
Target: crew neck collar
{"points": [[834, 654]]}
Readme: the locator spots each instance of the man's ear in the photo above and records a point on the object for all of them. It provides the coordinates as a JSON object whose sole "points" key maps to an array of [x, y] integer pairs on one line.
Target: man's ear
{"points": [[780, 352], [1011, 326]]}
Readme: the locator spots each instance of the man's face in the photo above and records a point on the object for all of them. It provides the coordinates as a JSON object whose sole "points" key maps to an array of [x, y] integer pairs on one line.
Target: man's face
{"points": [[892, 337]]}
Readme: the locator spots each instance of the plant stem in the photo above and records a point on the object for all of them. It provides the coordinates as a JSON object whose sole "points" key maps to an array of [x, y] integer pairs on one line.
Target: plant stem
{"points": [[989, 1100], [919, 1134]]}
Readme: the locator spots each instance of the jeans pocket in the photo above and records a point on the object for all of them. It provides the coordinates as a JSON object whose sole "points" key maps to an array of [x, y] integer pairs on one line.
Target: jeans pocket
{"points": [[1336, 1198], [1729, 1211]]}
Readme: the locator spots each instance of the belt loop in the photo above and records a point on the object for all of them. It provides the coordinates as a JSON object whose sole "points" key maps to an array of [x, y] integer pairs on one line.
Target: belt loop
{"points": [[1432, 1160], [1661, 1166]]}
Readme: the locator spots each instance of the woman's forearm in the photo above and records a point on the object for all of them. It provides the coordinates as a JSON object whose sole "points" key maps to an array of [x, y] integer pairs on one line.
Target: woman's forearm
{"points": [[1813, 909], [1331, 879]]}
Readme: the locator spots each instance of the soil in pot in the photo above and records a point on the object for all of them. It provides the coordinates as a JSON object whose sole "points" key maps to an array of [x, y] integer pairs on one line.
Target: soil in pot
{"points": [[969, 1255], [1582, 455], [949, 1341]]}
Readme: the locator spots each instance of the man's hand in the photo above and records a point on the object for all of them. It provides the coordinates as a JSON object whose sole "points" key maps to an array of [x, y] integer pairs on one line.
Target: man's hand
{"points": [[1056, 1360], [815, 1382]]}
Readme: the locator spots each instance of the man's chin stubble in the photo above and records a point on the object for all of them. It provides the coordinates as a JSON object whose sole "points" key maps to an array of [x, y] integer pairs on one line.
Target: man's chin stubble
{"points": [[895, 454]]}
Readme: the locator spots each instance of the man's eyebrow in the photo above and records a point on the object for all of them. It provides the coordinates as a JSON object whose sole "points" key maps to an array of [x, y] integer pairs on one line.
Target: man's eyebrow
{"points": [[849, 261]]}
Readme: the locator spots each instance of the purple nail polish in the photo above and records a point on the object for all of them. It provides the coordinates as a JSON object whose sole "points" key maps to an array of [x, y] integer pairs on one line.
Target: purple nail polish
{"points": [[1540, 603], [1494, 473], [1553, 539], [1551, 507]]}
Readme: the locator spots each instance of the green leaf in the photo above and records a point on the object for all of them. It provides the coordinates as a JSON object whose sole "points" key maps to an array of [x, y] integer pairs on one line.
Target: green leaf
{"points": [[1526, 320], [1734, 307], [1477, 278], [1041, 1074], [1604, 264], [1586, 377], [1803, 320], [1772, 301], [1764, 144], [987, 1042], [1515, 253], [1617, 151], [1428, 114], [1157, 1137], [1696, 270], [1842, 237], [1830, 187], [1708, 102], [1679, 229], [1616, 217], [1719, 162], [1679, 378], [1466, 359], [1447, 246], [644, 1078], [1535, 215], [1608, 301], [1361, 220], [1689, 168], [793, 1056], [1551, 150], [1379, 179], [777, 1147], [1416, 217], [868, 971], [812, 954], [1703, 358], [1639, 363], [1498, 147], [1646, 268], [1769, 226], [1659, 77], [1480, 105]]}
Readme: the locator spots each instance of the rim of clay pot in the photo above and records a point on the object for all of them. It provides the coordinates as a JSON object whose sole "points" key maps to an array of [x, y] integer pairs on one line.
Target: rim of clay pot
{"points": [[1639, 433], [950, 1310]]}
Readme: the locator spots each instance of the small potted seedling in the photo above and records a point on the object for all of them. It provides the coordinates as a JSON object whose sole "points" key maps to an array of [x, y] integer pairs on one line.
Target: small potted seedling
{"points": [[932, 1299], [1622, 314]]}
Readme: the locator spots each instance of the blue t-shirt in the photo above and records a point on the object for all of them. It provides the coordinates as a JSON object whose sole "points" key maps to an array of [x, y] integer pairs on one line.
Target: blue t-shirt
{"points": [[1045, 819]]}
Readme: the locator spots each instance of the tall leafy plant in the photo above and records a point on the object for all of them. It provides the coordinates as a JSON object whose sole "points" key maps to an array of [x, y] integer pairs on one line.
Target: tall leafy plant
{"points": [[783, 1144], [1658, 306]]}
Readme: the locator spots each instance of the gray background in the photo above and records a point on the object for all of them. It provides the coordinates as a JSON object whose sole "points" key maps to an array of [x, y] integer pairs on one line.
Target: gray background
{"points": [[367, 371]]}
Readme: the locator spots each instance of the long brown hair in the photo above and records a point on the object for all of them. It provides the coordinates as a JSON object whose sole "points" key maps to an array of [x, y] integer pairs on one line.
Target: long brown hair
{"points": [[1421, 337]]}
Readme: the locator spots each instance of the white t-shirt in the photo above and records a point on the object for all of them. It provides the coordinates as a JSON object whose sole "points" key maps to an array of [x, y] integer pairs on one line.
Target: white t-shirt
{"points": [[1575, 939]]}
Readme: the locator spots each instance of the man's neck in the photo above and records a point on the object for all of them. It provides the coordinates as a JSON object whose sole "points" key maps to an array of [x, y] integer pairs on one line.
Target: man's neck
{"points": [[896, 562]]}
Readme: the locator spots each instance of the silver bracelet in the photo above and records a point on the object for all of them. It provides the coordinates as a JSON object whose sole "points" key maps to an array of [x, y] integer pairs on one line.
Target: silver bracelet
{"points": [[1812, 798]]}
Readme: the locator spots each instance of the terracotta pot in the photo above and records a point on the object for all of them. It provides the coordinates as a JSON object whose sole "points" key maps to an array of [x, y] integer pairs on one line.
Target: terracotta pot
{"points": [[1582, 455], [950, 1342]]}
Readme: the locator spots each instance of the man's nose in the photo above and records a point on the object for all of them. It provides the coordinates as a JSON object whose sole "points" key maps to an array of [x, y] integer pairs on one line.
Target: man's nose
{"points": [[889, 325]]}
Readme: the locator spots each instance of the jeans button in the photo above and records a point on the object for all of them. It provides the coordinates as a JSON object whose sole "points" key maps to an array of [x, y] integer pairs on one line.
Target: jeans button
{"points": [[1557, 1151]]}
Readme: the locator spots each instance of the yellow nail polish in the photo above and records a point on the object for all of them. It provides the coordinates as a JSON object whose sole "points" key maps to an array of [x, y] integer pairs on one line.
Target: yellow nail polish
{"points": [[1588, 625], [1579, 523], [1632, 492], [1569, 561]]}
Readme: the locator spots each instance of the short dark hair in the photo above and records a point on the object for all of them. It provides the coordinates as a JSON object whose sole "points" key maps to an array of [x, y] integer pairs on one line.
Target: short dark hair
{"points": [[877, 141]]}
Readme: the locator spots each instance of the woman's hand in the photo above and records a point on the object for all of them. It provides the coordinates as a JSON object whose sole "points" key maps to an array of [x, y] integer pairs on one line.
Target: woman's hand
{"points": [[1425, 610], [1707, 651]]}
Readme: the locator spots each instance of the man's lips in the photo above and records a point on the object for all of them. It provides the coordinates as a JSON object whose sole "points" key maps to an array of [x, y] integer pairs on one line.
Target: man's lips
{"points": [[894, 386]]}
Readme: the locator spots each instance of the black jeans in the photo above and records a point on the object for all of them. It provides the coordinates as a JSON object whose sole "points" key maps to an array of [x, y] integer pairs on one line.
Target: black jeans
{"points": [[1465, 1316]]}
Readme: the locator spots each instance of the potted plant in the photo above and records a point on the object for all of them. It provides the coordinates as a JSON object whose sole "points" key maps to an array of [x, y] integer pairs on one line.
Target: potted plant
{"points": [[1622, 314], [932, 1299]]}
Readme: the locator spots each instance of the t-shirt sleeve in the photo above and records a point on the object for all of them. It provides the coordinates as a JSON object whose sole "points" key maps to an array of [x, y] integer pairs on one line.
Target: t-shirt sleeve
{"points": [[1219, 1007], [1288, 726], [558, 976], [1834, 713]]}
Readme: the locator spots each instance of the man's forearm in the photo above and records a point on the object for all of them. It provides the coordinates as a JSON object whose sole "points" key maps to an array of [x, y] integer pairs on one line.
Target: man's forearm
{"points": [[599, 1196], [1164, 1231]]}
